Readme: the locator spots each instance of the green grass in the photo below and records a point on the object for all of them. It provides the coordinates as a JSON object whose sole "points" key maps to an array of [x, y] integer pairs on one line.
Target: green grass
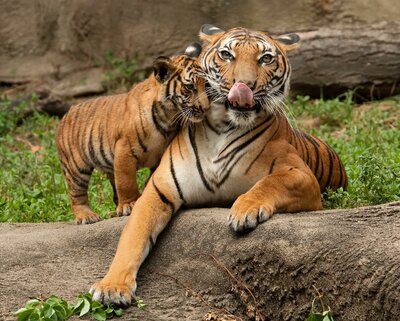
{"points": [[367, 138]]}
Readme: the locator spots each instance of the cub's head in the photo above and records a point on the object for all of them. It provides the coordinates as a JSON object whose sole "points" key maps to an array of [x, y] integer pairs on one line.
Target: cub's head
{"points": [[182, 84], [248, 71]]}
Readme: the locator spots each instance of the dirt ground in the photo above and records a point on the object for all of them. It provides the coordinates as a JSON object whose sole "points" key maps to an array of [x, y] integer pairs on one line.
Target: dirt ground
{"points": [[351, 256]]}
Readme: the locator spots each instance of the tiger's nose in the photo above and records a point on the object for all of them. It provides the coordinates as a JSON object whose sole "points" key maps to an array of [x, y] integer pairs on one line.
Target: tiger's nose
{"points": [[248, 83]]}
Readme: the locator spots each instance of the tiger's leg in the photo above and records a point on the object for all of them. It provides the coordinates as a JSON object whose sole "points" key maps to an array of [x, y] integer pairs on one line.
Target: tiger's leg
{"points": [[111, 178], [151, 213], [291, 187], [78, 182], [125, 166]]}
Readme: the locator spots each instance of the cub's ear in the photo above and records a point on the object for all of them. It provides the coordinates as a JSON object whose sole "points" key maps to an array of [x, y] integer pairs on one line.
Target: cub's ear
{"points": [[162, 68], [290, 41], [193, 50], [209, 33]]}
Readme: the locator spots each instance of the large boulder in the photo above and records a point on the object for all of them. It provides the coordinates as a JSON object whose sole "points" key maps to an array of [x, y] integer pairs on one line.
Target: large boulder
{"points": [[198, 265]]}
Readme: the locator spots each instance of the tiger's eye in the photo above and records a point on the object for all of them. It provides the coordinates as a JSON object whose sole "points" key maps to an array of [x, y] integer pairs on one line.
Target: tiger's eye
{"points": [[267, 59], [190, 87], [226, 55]]}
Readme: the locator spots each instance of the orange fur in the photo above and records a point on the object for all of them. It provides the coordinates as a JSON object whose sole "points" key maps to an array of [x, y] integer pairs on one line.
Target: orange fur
{"points": [[120, 134], [249, 158]]}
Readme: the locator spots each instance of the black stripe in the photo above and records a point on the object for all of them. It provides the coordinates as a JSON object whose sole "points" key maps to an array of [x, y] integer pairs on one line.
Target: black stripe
{"points": [[245, 133], [271, 167], [133, 152], [167, 89], [297, 137], [73, 175], [178, 187], [255, 159], [244, 144], [84, 171], [179, 145], [79, 195], [81, 182], [306, 148], [312, 141], [235, 152], [227, 173], [196, 153], [141, 143], [162, 197], [330, 172], [158, 125], [102, 151], [92, 152]]}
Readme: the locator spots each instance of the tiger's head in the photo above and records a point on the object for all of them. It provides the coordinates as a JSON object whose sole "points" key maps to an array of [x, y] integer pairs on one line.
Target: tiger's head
{"points": [[248, 71], [183, 86]]}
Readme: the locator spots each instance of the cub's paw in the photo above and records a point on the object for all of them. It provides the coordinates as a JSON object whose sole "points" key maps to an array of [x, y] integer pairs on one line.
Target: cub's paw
{"points": [[119, 294], [83, 215], [247, 212], [124, 209]]}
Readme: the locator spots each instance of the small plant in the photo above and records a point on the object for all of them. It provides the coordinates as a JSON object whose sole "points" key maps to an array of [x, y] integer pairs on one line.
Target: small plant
{"points": [[11, 112], [57, 309], [139, 303], [98, 311], [53, 308], [121, 73], [325, 315]]}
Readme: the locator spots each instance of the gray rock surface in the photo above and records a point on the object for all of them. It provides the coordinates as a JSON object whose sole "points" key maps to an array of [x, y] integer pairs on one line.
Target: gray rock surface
{"points": [[350, 256]]}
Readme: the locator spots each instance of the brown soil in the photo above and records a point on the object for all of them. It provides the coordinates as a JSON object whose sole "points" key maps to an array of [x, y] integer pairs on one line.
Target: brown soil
{"points": [[351, 256]]}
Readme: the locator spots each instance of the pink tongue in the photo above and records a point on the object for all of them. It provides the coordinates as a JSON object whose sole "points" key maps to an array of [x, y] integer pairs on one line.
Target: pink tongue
{"points": [[240, 96]]}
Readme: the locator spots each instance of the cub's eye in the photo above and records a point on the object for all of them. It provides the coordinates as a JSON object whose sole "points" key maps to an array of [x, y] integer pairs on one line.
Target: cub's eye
{"points": [[267, 59], [190, 87], [226, 55]]}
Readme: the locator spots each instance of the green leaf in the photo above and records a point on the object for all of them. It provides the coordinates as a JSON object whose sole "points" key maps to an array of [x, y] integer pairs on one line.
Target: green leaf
{"points": [[85, 308], [99, 315], [61, 312], [118, 312], [48, 311], [86, 296], [315, 317], [139, 303], [328, 316], [96, 305], [109, 309], [32, 303], [23, 313], [76, 309], [34, 316]]}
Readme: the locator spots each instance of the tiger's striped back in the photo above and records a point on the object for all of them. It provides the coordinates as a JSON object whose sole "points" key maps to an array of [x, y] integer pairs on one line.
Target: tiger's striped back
{"points": [[322, 159]]}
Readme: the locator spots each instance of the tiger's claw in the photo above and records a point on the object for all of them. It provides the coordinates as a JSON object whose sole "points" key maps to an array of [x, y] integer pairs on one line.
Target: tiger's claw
{"points": [[246, 213], [124, 209], [119, 294]]}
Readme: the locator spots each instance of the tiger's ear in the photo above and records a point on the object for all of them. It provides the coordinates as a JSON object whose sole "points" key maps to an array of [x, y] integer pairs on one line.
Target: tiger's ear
{"points": [[209, 33], [193, 50], [289, 41], [162, 68]]}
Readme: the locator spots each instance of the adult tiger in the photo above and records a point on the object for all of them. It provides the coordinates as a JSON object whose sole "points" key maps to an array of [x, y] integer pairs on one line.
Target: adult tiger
{"points": [[122, 133], [244, 152]]}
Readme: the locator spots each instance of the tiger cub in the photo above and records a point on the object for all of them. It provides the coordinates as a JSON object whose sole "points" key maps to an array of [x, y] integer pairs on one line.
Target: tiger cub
{"points": [[120, 134]]}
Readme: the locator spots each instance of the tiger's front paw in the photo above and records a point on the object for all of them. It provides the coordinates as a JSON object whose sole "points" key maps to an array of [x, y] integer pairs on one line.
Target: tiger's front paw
{"points": [[84, 215], [247, 212], [119, 294], [124, 209]]}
